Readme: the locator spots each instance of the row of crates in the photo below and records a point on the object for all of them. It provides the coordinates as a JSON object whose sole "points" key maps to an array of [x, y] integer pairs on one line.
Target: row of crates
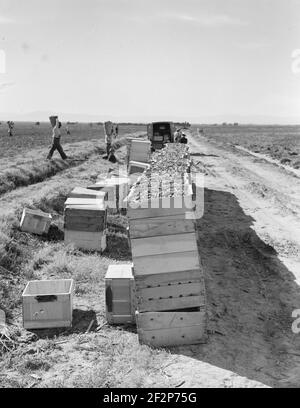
{"points": [[169, 287]]}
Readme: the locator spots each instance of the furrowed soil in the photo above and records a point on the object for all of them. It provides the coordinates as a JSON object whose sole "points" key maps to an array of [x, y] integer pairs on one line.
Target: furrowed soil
{"points": [[249, 243], [279, 143]]}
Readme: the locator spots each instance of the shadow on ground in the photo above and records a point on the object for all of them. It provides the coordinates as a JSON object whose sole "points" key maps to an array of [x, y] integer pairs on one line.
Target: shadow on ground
{"points": [[203, 154], [80, 324], [117, 247], [250, 298]]}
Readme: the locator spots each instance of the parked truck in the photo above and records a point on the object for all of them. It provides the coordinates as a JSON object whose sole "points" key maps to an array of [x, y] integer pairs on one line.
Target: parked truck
{"points": [[160, 133]]}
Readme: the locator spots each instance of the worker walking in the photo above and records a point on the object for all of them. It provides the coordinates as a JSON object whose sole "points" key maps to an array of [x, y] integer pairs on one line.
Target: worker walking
{"points": [[177, 136], [108, 132], [56, 135], [10, 125]]}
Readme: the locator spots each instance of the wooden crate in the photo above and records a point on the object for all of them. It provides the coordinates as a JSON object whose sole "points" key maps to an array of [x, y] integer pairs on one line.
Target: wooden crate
{"points": [[139, 150], [170, 297], [34, 221], [166, 263], [163, 244], [48, 304], [79, 192], [75, 222], [173, 328], [86, 215], [98, 204], [117, 189], [119, 284], [157, 226], [169, 278], [137, 167], [53, 120], [90, 241]]}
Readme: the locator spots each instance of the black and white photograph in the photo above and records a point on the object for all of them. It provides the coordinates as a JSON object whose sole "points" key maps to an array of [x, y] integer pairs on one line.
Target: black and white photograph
{"points": [[149, 198]]}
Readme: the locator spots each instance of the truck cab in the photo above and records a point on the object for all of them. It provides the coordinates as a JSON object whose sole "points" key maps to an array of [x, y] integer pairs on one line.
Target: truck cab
{"points": [[160, 133]]}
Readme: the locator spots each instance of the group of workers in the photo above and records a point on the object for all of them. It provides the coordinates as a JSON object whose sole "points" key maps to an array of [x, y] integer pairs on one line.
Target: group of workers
{"points": [[111, 132], [180, 137]]}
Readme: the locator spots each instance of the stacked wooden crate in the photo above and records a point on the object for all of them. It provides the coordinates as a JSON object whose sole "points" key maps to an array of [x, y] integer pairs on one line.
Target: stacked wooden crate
{"points": [[85, 220], [169, 281], [116, 189]]}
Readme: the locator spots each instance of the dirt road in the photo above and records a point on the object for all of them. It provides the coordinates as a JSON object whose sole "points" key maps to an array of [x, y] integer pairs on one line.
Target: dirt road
{"points": [[250, 248]]}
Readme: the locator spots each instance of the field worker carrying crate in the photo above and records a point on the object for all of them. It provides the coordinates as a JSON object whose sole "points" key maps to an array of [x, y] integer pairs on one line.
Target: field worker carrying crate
{"points": [[108, 132], [56, 134]]}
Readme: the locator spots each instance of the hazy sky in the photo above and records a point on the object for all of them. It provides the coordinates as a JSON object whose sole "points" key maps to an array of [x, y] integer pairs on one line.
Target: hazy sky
{"points": [[151, 58]]}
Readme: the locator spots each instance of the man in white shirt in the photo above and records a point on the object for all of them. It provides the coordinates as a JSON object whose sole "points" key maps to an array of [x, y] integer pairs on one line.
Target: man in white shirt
{"points": [[56, 134]]}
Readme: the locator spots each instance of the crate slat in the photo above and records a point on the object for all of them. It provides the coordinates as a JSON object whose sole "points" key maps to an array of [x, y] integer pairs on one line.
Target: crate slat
{"points": [[175, 328], [173, 303], [173, 337], [171, 319], [164, 263], [94, 241], [151, 227], [152, 280], [79, 192], [84, 226], [164, 244], [170, 290]]}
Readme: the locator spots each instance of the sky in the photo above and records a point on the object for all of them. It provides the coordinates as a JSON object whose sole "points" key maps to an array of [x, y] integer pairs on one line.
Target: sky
{"points": [[196, 60]]}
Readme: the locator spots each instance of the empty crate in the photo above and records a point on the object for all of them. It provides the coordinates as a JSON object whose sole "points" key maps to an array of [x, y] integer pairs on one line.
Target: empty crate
{"points": [[48, 304], [137, 167], [119, 294], [35, 221]]}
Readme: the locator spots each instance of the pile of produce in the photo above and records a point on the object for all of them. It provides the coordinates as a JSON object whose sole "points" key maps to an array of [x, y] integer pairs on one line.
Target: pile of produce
{"points": [[166, 177], [174, 158]]}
